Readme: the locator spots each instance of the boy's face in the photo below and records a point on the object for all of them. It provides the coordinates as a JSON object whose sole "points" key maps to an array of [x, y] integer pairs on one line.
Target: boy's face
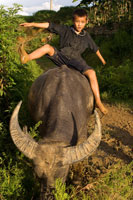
{"points": [[79, 22]]}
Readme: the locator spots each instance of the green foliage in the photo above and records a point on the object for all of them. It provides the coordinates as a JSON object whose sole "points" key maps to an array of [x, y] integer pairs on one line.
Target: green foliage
{"points": [[117, 47], [9, 62], [64, 15], [11, 186], [11, 181], [8, 26], [14, 77], [43, 15], [105, 11], [116, 184], [115, 78], [116, 82], [122, 43], [60, 191], [34, 130], [16, 179]]}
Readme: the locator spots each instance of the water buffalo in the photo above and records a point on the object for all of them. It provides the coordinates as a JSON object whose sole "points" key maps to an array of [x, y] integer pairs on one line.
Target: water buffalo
{"points": [[63, 100]]}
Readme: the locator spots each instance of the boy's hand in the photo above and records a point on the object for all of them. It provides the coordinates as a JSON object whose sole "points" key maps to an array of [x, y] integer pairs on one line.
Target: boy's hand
{"points": [[100, 57], [33, 24], [27, 24]]}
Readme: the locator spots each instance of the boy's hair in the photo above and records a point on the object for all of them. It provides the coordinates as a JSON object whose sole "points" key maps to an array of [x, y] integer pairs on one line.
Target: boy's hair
{"points": [[80, 12]]}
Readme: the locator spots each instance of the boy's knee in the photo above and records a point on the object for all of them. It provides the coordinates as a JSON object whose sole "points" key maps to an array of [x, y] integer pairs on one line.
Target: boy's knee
{"points": [[47, 46], [50, 49], [90, 73]]}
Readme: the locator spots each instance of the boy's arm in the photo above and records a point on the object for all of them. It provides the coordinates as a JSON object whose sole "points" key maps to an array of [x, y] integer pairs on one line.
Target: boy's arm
{"points": [[100, 57], [51, 27], [38, 25], [95, 48]]}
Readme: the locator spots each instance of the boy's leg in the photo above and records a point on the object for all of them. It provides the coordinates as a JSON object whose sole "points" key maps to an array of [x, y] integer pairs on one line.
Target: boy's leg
{"points": [[90, 73], [24, 57]]}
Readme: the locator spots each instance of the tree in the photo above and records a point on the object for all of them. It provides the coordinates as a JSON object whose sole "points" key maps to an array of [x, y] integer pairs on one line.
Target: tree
{"points": [[102, 11]]}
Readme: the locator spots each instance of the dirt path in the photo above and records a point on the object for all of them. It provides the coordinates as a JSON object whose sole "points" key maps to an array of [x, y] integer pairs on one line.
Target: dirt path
{"points": [[116, 144], [117, 140]]}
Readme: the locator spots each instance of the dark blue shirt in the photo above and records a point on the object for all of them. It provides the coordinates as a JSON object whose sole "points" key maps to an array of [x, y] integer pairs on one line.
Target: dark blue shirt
{"points": [[71, 43]]}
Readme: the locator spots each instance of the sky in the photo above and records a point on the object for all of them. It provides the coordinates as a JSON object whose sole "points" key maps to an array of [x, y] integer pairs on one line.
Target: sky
{"points": [[32, 6]]}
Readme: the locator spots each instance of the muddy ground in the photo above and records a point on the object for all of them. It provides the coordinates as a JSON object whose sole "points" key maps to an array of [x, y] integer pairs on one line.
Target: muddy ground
{"points": [[116, 145]]}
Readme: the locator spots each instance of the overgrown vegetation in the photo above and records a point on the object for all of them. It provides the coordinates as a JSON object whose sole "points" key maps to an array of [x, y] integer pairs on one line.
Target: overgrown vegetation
{"points": [[107, 11], [116, 184], [16, 179], [115, 80]]}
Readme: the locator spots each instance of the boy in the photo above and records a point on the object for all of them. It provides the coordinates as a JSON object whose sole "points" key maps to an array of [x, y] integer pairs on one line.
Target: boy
{"points": [[73, 42]]}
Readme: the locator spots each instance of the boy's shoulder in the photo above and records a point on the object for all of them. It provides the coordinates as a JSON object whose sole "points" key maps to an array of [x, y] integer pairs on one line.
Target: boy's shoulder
{"points": [[57, 28], [63, 28]]}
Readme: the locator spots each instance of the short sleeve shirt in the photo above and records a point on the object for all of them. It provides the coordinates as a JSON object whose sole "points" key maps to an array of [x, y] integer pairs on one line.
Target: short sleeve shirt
{"points": [[71, 43]]}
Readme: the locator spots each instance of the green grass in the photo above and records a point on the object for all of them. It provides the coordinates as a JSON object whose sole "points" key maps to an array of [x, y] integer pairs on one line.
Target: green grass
{"points": [[114, 185]]}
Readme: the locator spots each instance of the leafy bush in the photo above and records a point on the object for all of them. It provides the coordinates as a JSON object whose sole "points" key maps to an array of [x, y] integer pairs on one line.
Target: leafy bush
{"points": [[60, 191], [43, 15], [15, 81], [117, 82], [63, 16], [115, 78]]}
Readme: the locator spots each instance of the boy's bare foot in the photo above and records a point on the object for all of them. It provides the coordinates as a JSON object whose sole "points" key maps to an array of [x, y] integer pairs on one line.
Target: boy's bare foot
{"points": [[23, 55], [101, 107]]}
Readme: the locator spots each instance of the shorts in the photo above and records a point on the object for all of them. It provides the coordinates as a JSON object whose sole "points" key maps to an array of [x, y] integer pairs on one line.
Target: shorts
{"points": [[59, 59]]}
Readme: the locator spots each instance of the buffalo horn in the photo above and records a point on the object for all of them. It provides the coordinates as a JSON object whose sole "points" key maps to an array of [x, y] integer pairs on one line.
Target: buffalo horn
{"points": [[85, 149], [23, 141]]}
